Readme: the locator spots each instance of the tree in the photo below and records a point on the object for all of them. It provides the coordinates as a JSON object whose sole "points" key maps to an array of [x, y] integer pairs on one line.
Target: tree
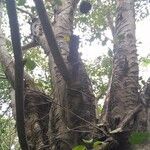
{"points": [[67, 118]]}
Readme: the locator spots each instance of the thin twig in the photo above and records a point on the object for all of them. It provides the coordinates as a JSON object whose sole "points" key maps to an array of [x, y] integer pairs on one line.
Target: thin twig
{"points": [[5, 111], [79, 117], [26, 12]]}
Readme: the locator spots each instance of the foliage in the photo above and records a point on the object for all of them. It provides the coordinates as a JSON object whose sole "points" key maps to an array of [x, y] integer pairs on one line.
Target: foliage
{"points": [[99, 72], [80, 147], [145, 61], [8, 137], [139, 137], [95, 145], [141, 9], [21, 2], [4, 88], [96, 22], [36, 64]]}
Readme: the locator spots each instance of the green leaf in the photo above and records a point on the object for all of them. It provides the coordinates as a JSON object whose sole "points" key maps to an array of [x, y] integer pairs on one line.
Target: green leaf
{"points": [[88, 141], [21, 2], [145, 61], [97, 145], [80, 147], [58, 2], [30, 64], [83, 19], [139, 137]]}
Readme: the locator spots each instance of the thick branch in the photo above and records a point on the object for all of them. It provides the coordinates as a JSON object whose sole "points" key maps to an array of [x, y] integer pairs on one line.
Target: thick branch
{"points": [[19, 73], [129, 117], [52, 40]]}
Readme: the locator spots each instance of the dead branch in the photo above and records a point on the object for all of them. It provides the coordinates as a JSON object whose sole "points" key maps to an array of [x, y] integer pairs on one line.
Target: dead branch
{"points": [[127, 119]]}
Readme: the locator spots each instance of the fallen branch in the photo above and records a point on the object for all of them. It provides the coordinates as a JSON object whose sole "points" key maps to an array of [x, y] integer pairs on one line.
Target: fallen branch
{"points": [[127, 119]]}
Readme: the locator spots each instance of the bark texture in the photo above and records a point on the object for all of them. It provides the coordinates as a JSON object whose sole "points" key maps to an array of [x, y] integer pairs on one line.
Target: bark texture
{"points": [[123, 97], [76, 97], [73, 109], [37, 104], [72, 115]]}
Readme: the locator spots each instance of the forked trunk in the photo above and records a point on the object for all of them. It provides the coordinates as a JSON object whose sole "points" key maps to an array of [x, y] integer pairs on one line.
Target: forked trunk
{"points": [[72, 115]]}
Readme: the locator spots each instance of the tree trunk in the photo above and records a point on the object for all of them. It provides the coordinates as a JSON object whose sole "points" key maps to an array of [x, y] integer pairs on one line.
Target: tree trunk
{"points": [[72, 115], [123, 97]]}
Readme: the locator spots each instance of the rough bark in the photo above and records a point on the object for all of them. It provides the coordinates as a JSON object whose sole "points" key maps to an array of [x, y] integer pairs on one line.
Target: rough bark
{"points": [[34, 102], [144, 117], [67, 118], [37, 104], [72, 115], [74, 97], [123, 96], [74, 108]]}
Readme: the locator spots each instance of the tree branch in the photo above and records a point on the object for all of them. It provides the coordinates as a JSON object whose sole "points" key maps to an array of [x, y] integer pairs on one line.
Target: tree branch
{"points": [[127, 119], [19, 73], [26, 12], [52, 40], [110, 24], [28, 46]]}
